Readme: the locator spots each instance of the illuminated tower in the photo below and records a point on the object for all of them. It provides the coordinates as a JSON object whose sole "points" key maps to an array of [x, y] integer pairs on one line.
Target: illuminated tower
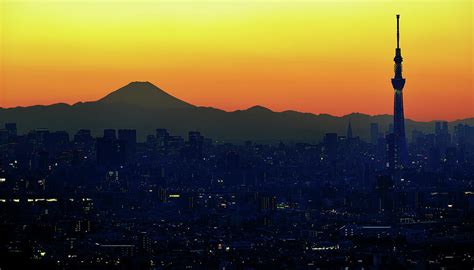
{"points": [[400, 152]]}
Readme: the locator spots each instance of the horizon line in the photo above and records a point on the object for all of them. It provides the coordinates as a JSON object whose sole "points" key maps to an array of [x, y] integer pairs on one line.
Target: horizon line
{"points": [[236, 110]]}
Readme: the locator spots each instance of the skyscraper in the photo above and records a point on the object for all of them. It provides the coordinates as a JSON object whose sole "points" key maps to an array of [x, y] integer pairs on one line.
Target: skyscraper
{"points": [[129, 139], [196, 142], [374, 133], [11, 128], [349, 131], [442, 136], [110, 134], [330, 146], [398, 82]]}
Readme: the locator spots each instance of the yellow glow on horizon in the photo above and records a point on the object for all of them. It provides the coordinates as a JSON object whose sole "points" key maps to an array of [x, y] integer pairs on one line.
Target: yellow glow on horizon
{"points": [[315, 56]]}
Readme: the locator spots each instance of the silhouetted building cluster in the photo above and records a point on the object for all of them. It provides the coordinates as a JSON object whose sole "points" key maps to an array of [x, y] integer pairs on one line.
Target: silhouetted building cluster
{"points": [[168, 202]]}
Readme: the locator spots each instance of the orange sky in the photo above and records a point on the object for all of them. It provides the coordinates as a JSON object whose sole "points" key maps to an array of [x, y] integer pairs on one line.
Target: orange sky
{"points": [[331, 57]]}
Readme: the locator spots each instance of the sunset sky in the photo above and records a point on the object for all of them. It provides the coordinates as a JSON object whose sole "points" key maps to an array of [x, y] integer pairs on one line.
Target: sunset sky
{"points": [[329, 56]]}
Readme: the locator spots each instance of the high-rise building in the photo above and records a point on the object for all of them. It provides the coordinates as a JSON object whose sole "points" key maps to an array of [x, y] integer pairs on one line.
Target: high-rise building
{"points": [[441, 127], [196, 141], [384, 190], [390, 129], [145, 243], [391, 151], [445, 127], [437, 128], [463, 134], [442, 136], [110, 134], [162, 136], [151, 143], [109, 152], [83, 136], [374, 133], [11, 128], [398, 82], [417, 137], [55, 142], [40, 136], [3, 136], [330, 146], [129, 139], [349, 131]]}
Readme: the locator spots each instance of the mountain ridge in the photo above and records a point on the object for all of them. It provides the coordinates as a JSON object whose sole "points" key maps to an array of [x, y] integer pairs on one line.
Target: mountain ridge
{"points": [[145, 107]]}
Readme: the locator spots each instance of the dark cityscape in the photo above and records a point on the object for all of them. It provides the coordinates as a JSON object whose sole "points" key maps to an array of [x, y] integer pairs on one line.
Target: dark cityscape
{"points": [[111, 202]]}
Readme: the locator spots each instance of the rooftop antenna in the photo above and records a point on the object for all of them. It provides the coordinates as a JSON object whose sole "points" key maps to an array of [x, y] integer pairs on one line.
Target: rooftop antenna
{"points": [[398, 31]]}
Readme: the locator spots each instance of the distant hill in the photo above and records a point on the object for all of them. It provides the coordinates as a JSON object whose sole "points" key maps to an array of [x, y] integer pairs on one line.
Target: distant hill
{"points": [[145, 107]]}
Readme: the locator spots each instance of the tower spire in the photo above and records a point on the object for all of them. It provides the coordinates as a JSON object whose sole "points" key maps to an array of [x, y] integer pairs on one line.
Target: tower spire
{"points": [[398, 31], [349, 130], [398, 81]]}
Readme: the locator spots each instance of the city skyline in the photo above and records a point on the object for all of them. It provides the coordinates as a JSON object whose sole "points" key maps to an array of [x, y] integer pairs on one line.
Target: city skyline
{"points": [[282, 56]]}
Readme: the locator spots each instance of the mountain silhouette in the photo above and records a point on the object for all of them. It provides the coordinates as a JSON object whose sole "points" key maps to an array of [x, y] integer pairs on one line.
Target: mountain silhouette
{"points": [[144, 94], [145, 107]]}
